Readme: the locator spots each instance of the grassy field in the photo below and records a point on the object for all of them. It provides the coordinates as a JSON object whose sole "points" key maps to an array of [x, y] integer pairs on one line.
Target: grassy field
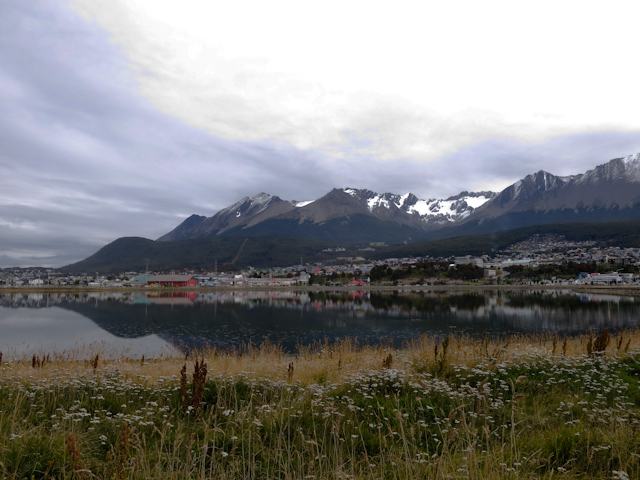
{"points": [[517, 407]]}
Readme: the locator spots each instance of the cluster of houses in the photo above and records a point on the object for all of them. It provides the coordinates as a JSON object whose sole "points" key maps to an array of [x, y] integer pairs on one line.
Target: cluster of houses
{"points": [[545, 249], [585, 278]]}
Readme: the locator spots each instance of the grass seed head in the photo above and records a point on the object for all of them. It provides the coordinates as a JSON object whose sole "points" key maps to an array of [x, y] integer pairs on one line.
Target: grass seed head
{"points": [[386, 362], [601, 342], [74, 453]]}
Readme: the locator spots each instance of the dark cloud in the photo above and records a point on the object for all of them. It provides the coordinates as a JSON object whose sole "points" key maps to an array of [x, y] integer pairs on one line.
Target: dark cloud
{"points": [[84, 159]]}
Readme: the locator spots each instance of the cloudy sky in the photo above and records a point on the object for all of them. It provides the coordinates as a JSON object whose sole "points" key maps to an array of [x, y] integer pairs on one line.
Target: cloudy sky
{"points": [[121, 118]]}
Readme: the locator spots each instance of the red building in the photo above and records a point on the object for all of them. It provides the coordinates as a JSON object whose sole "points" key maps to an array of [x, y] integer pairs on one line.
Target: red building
{"points": [[173, 281]]}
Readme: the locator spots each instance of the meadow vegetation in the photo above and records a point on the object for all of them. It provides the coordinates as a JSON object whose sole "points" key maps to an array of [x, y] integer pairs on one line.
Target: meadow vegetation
{"points": [[521, 406]]}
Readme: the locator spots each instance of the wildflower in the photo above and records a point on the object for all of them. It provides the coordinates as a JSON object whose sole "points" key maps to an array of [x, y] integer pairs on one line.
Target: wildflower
{"points": [[620, 475]]}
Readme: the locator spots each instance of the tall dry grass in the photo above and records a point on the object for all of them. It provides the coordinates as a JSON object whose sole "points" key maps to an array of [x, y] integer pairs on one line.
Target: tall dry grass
{"points": [[520, 406], [320, 361]]}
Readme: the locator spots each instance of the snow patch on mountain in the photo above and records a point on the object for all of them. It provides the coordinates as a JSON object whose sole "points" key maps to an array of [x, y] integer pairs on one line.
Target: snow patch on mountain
{"points": [[453, 208], [248, 202], [421, 207], [261, 198], [568, 178], [632, 167], [235, 206], [517, 189], [377, 201], [475, 202], [402, 199], [301, 204]]}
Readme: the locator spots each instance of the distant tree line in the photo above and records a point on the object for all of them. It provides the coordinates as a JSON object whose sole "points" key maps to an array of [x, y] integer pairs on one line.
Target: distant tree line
{"points": [[425, 270]]}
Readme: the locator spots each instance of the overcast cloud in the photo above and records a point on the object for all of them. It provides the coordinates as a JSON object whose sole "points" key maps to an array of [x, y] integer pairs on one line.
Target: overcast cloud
{"points": [[123, 118]]}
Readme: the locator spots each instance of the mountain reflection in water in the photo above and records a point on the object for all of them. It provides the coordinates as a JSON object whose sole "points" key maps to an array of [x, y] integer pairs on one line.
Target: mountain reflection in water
{"points": [[230, 318]]}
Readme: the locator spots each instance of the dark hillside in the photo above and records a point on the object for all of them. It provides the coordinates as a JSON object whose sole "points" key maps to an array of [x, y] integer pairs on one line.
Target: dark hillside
{"points": [[620, 234], [132, 253]]}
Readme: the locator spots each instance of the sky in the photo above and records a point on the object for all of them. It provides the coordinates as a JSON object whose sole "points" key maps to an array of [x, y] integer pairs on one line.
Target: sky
{"points": [[122, 118]]}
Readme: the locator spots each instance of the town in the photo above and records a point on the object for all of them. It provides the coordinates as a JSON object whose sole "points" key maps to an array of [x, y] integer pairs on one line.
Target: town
{"points": [[540, 260]]}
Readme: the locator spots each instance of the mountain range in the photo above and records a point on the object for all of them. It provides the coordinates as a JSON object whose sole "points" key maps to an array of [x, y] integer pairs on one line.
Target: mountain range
{"points": [[609, 192], [348, 214], [265, 227]]}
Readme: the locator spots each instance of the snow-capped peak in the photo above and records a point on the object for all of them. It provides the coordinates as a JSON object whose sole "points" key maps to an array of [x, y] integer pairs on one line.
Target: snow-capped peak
{"points": [[402, 199], [261, 201], [260, 198], [626, 168], [439, 210]]}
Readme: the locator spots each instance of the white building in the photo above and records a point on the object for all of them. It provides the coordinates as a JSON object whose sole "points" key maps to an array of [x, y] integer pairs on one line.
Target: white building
{"points": [[469, 260]]}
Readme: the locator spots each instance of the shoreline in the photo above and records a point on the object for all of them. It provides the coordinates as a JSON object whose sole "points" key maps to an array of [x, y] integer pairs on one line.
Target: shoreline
{"points": [[625, 291]]}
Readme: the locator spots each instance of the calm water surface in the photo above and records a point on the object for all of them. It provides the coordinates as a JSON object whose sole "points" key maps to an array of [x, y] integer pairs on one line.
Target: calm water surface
{"points": [[152, 323]]}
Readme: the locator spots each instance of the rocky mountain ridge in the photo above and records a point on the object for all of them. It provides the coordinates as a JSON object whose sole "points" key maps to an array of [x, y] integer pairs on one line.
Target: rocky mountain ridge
{"points": [[613, 186]]}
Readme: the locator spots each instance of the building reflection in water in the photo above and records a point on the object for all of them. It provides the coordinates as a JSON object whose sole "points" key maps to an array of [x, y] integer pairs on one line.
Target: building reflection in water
{"points": [[230, 318]]}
